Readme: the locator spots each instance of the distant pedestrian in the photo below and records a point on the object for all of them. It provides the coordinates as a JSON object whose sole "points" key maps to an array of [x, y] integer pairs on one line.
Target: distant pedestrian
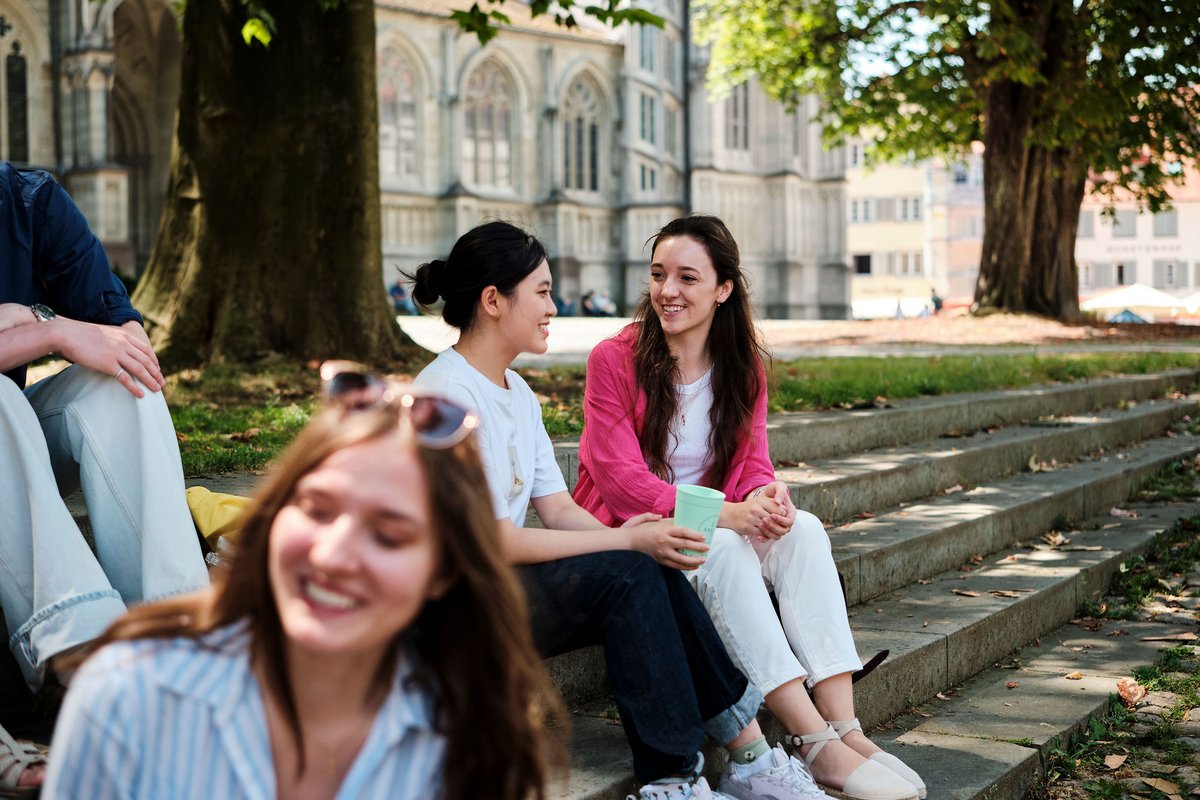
{"points": [[401, 300], [936, 300], [330, 662]]}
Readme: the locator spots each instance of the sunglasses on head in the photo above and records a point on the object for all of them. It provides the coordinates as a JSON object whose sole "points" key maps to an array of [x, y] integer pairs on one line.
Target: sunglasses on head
{"points": [[436, 421]]}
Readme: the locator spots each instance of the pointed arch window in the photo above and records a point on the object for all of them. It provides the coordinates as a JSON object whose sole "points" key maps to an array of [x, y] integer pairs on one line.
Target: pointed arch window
{"points": [[397, 115], [487, 150], [582, 116]]}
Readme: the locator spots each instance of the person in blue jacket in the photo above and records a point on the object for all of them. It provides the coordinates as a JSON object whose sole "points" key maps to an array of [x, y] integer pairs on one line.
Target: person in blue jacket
{"points": [[101, 425]]}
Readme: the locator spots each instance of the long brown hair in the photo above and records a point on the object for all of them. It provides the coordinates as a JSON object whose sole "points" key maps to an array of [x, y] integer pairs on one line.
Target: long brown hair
{"points": [[736, 351], [474, 645]]}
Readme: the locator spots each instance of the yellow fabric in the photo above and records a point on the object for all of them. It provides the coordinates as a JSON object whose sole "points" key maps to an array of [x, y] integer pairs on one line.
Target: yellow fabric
{"points": [[216, 514]]}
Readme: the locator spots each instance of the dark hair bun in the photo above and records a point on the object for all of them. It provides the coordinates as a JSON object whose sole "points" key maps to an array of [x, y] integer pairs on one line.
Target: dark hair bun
{"points": [[427, 283]]}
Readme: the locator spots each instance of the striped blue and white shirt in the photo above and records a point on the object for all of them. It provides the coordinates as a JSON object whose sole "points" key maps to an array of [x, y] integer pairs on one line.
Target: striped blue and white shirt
{"points": [[183, 719]]}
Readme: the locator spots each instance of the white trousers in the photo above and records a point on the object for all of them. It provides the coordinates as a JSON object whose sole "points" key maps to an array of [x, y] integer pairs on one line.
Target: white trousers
{"points": [[810, 637], [81, 429]]}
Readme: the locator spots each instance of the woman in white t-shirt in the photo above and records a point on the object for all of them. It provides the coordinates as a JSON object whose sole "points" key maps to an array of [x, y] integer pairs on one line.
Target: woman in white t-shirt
{"points": [[587, 583], [680, 396]]}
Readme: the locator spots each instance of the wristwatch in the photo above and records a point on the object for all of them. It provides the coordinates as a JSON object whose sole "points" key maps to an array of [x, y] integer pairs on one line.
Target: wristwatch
{"points": [[42, 313]]}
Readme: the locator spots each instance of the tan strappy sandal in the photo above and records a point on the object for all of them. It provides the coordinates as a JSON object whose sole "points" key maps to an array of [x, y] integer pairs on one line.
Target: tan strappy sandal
{"points": [[888, 760], [15, 758], [869, 781]]}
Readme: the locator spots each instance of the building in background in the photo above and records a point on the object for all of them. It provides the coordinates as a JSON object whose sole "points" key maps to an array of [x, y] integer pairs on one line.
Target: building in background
{"points": [[590, 137]]}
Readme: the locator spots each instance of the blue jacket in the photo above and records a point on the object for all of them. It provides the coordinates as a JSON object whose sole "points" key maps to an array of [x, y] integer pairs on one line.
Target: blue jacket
{"points": [[49, 255]]}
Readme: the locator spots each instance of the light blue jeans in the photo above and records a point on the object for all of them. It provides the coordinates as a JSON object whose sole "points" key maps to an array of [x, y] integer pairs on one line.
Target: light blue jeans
{"points": [[81, 429]]}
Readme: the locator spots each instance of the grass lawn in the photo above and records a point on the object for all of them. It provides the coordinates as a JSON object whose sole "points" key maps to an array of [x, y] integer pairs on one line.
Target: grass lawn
{"points": [[240, 418]]}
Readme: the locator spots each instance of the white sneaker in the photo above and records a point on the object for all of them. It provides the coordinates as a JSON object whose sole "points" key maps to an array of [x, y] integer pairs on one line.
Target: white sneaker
{"points": [[699, 790], [784, 778]]}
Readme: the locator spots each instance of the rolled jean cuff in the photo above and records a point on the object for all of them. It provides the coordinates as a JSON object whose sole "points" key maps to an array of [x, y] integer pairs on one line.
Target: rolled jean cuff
{"points": [[725, 727], [60, 626], [829, 670]]}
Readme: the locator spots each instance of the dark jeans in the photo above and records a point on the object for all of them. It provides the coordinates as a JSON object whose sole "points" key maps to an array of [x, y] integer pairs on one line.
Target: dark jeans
{"points": [[669, 672]]}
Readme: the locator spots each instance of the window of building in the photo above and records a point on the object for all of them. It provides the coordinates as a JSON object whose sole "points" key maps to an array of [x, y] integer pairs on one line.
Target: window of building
{"points": [[14, 88], [1085, 274], [397, 116], [647, 113], [799, 130], [862, 264], [647, 42], [649, 178], [487, 130], [960, 173], [1125, 225], [1166, 223], [671, 57], [581, 137], [915, 209], [671, 132], [868, 209], [854, 154], [1087, 223], [854, 211], [737, 118], [1120, 270]]}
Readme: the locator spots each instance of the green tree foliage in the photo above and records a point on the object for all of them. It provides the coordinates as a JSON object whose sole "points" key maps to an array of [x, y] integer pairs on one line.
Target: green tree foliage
{"points": [[1061, 92]]}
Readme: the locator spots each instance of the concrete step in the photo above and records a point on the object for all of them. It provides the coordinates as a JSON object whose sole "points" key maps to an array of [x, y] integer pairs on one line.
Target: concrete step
{"points": [[837, 489], [939, 639], [992, 741], [896, 548], [806, 436]]}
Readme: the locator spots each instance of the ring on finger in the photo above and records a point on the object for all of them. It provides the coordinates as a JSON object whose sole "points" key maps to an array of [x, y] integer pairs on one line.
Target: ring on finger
{"points": [[120, 372]]}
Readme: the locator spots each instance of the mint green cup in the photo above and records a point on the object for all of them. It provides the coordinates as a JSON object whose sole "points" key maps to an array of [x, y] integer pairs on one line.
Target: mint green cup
{"points": [[697, 509]]}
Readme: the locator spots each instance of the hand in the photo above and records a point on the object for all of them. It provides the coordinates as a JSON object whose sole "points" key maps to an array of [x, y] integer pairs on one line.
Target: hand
{"points": [[662, 539], [13, 315], [780, 521], [121, 351]]}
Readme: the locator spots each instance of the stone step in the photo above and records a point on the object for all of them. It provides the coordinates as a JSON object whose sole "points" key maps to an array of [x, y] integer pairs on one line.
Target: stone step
{"points": [[940, 639], [806, 436], [837, 489], [896, 548]]}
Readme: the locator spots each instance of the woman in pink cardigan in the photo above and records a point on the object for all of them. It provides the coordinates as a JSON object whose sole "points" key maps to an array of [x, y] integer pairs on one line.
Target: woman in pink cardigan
{"points": [[679, 396]]}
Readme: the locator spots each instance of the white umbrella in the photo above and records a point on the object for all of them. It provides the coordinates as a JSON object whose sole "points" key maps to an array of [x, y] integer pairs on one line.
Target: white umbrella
{"points": [[1137, 295]]}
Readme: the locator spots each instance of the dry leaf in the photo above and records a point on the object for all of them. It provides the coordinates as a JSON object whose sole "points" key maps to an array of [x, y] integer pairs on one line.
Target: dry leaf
{"points": [[1056, 539], [925, 624], [1013, 684], [1121, 512], [786, 463], [1188, 636], [1003, 593], [958, 487], [965, 592], [1118, 632], [181, 436], [1074, 676], [1083, 548], [941, 696], [1114, 761], [246, 435], [864, 515], [924, 581], [1162, 784], [1034, 465], [1130, 691]]}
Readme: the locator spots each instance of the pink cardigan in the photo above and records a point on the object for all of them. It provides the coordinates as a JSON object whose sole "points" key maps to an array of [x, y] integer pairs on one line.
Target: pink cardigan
{"points": [[614, 481]]}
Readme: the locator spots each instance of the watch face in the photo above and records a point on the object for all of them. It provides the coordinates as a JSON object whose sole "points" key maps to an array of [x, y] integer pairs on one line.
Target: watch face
{"points": [[42, 312]]}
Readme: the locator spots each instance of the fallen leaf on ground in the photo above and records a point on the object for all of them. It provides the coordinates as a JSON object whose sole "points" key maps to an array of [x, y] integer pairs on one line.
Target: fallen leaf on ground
{"points": [[1074, 676], [1118, 632], [1034, 464], [246, 435], [1187, 636], [1083, 548], [924, 581], [1003, 593], [1056, 539], [785, 463], [955, 488], [1114, 761], [965, 592], [1162, 784], [181, 436], [1121, 512], [1013, 684], [941, 696], [864, 515], [1130, 691]]}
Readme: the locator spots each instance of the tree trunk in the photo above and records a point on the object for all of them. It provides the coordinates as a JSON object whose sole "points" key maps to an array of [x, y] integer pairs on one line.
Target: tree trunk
{"points": [[270, 238], [1032, 191]]}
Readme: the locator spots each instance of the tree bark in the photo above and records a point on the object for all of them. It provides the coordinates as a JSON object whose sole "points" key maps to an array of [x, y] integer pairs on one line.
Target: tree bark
{"points": [[1032, 191], [270, 238]]}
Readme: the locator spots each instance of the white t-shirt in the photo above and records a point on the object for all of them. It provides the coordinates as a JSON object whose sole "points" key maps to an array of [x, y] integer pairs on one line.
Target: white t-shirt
{"points": [[690, 453], [517, 454]]}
